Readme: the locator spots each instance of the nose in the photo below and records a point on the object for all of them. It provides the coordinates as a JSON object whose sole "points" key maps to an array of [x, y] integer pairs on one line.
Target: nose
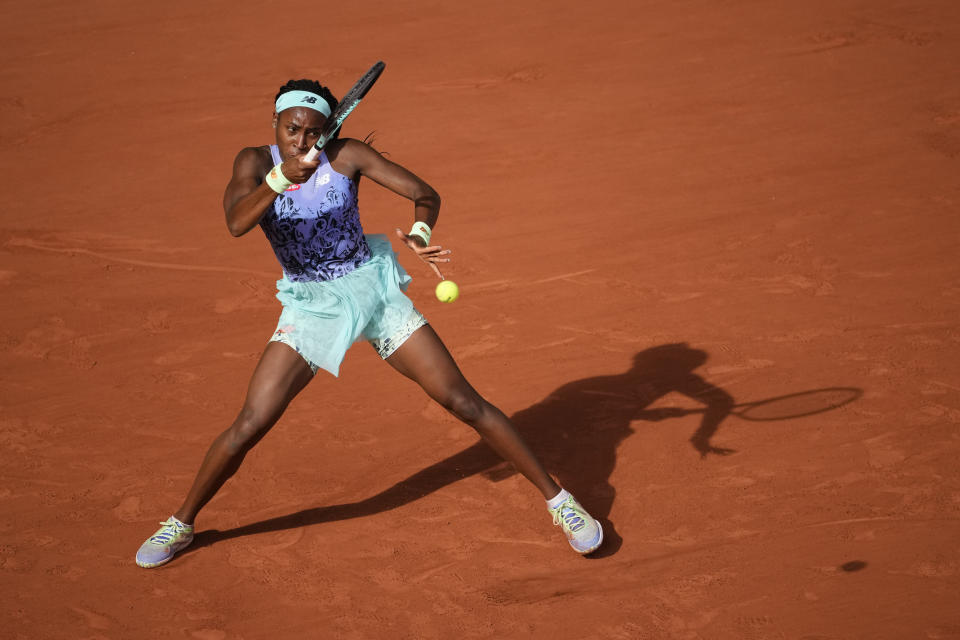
{"points": [[302, 140]]}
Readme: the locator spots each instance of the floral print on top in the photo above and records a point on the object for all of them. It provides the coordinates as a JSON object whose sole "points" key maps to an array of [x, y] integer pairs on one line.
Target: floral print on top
{"points": [[314, 227]]}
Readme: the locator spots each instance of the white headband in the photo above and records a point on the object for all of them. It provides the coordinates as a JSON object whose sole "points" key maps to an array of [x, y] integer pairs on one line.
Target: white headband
{"points": [[303, 99]]}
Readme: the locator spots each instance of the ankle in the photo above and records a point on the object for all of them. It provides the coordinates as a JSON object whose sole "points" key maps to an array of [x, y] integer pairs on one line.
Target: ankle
{"points": [[557, 500], [185, 519], [550, 489]]}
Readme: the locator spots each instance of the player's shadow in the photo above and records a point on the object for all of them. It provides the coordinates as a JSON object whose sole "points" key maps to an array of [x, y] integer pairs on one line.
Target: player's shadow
{"points": [[575, 432]]}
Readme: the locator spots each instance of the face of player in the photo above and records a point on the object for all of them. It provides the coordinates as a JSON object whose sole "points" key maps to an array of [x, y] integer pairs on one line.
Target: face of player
{"points": [[298, 128]]}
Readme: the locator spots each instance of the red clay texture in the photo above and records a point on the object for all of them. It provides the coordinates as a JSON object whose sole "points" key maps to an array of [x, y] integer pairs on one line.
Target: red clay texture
{"points": [[660, 212]]}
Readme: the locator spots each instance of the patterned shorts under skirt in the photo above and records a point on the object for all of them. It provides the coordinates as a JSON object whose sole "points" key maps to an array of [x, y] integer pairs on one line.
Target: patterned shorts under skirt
{"points": [[320, 320]]}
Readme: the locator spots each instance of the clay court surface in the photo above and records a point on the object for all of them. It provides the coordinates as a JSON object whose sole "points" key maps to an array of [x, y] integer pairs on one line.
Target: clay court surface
{"points": [[657, 209]]}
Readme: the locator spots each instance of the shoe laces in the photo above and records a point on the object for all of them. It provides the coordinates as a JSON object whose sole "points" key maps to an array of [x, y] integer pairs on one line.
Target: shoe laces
{"points": [[570, 516], [170, 530]]}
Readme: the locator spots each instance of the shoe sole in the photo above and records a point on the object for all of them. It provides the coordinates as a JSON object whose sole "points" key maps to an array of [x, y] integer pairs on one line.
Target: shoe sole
{"points": [[154, 565]]}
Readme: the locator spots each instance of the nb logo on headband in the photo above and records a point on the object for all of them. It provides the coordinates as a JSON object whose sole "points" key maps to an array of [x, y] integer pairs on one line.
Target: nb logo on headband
{"points": [[310, 99]]}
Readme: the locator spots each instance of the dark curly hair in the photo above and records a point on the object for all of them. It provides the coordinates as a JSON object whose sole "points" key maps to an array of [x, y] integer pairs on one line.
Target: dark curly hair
{"points": [[313, 87]]}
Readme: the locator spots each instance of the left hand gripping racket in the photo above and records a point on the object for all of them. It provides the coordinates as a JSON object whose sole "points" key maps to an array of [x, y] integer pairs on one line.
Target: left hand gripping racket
{"points": [[346, 105]]}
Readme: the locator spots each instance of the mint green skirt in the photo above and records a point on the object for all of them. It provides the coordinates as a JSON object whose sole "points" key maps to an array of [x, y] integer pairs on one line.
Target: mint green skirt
{"points": [[321, 320]]}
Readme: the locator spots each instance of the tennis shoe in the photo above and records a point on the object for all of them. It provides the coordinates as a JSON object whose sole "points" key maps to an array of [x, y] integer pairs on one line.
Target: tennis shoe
{"points": [[583, 532], [160, 548]]}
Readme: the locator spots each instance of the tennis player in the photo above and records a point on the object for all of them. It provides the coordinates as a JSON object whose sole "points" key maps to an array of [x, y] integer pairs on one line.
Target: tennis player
{"points": [[340, 286]]}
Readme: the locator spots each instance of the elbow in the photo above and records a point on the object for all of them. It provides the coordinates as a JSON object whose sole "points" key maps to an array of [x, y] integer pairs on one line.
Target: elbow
{"points": [[236, 230], [236, 225]]}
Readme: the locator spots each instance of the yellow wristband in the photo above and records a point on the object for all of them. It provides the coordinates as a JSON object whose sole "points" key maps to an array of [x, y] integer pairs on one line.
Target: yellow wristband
{"points": [[277, 181], [421, 230]]}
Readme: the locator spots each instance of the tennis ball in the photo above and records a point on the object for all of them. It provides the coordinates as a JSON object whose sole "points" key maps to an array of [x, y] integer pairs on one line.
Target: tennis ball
{"points": [[447, 291]]}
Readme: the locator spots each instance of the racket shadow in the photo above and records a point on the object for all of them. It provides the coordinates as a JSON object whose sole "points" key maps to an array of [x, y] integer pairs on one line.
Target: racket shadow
{"points": [[786, 407], [575, 431]]}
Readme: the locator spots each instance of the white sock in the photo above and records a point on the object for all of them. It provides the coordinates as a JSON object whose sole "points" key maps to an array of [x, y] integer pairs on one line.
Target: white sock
{"points": [[558, 499]]}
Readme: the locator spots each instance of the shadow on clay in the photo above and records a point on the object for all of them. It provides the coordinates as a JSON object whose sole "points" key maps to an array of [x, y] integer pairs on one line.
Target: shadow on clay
{"points": [[582, 459]]}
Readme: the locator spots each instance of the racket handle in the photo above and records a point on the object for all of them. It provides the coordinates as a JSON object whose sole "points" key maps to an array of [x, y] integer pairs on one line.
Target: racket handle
{"points": [[318, 146]]}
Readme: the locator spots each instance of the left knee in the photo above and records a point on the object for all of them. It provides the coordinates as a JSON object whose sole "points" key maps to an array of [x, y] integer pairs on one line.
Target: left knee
{"points": [[466, 405]]}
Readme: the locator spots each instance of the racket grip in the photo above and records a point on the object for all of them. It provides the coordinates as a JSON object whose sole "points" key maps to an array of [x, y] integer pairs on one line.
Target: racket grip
{"points": [[317, 147]]}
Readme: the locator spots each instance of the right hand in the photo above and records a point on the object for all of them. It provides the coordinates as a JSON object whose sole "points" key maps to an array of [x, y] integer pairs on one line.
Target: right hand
{"points": [[298, 170]]}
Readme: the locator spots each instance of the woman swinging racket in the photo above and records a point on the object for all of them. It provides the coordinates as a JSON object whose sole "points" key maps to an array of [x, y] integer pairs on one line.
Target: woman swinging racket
{"points": [[338, 286]]}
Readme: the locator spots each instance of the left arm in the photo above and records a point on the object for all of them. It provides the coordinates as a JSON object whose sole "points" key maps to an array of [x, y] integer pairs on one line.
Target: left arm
{"points": [[354, 158]]}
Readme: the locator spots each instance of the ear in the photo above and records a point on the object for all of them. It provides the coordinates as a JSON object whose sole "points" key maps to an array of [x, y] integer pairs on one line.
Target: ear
{"points": [[276, 117]]}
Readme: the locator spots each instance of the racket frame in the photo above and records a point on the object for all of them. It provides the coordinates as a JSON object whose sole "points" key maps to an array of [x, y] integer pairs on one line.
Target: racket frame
{"points": [[345, 108]]}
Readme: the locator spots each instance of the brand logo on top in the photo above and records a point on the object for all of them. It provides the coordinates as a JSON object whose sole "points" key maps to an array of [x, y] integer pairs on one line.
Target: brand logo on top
{"points": [[293, 187], [324, 179]]}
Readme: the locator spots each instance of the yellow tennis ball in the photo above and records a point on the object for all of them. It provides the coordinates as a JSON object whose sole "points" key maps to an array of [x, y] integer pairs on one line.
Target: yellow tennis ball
{"points": [[447, 291]]}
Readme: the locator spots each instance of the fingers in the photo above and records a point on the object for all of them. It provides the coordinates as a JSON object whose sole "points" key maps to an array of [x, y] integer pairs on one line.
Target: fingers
{"points": [[298, 170], [432, 252], [431, 255]]}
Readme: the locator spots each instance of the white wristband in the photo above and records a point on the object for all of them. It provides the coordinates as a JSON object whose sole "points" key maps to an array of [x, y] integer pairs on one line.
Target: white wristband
{"points": [[277, 181], [421, 230]]}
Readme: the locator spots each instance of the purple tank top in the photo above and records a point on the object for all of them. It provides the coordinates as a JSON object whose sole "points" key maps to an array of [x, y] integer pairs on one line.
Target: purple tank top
{"points": [[314, 227]]}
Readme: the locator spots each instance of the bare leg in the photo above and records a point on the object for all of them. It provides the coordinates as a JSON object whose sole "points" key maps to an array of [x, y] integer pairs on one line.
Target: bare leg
{"points": [[278, 378], [424, 359]]}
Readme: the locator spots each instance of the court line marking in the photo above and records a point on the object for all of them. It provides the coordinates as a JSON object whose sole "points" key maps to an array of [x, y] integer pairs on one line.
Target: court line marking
{"points": [[20, 242]]}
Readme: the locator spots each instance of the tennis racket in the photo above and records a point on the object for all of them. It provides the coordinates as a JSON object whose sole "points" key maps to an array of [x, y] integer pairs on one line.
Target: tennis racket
{"points": [[347, 104]]}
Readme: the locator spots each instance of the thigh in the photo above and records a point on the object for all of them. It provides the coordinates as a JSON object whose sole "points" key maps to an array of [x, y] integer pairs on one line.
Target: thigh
{"points": [[280, 375], [424, 359]]}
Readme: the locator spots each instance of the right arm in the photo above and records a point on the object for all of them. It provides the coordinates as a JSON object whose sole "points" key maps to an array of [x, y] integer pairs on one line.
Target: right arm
{"points": [[248, 196]]}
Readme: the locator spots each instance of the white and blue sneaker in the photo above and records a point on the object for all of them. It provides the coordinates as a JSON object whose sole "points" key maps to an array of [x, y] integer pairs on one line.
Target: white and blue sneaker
{"points": [[164, 544], [583, 533]]}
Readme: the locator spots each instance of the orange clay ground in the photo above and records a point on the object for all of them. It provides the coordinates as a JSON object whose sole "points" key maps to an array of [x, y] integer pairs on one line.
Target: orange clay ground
{"points": [[650, 204]]}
